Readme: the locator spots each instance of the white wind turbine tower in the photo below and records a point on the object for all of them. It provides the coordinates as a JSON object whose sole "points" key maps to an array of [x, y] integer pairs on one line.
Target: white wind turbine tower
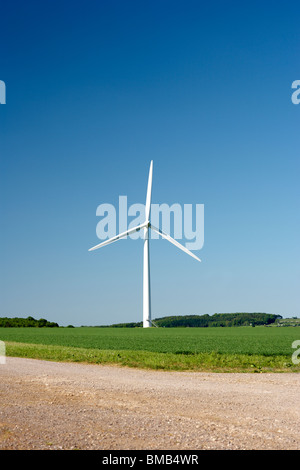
{"points": [[146, 267]]}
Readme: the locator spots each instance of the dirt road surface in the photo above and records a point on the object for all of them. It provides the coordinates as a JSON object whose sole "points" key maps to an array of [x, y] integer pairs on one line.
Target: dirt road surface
{"points": [[48, 405]]}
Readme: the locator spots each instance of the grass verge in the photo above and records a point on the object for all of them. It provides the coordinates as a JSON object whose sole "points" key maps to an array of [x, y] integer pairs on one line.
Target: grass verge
{"points": [[206, 362]]}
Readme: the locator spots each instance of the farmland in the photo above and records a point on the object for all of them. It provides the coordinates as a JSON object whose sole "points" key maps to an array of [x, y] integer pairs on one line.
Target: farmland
{"points": [[218, 349]]}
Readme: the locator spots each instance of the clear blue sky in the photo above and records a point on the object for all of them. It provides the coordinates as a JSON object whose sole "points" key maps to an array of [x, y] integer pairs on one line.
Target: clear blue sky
{"points": [[95, 90]]}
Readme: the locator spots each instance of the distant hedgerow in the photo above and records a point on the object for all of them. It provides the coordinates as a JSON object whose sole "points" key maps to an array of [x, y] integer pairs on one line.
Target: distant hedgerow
{"points": [[17, 322]]}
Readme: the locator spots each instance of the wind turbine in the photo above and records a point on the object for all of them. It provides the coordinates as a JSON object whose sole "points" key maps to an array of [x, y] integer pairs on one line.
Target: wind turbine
{"points": [[146, 226]]}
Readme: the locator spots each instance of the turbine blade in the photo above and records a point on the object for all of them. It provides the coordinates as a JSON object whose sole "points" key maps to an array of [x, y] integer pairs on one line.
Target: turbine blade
{"points": [[175, 242], [117, 237], [149, 189]]}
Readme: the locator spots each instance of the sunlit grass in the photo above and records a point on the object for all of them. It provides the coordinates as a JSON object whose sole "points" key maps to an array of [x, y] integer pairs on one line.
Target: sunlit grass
{"points": [[209, 349], [206, 361]]}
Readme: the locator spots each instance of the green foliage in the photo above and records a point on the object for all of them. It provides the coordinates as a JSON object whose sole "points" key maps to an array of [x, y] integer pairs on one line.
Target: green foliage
{"points": [[125, 325], [204, 321], [204, 361], [262, 340], [223, 349], [17, 322]]}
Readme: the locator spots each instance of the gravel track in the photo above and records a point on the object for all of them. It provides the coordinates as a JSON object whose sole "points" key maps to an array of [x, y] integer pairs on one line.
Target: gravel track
{"points": [[48, 405]]}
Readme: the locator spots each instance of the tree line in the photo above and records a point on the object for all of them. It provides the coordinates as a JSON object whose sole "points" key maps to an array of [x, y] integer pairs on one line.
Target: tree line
{"points": [[191, 321], [17, 322], [205, 321]]}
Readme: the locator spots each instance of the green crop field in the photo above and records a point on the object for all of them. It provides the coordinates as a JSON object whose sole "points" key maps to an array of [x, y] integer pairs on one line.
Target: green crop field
{"points": [[229, 349]]}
